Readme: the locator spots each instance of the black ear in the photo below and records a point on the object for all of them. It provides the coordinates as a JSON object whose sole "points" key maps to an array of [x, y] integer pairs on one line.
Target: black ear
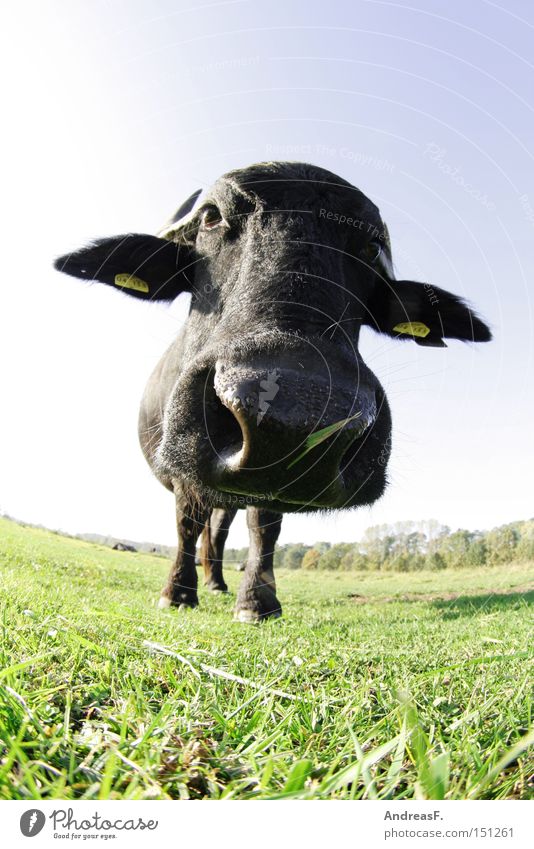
{"points": [[427, 314], [180, 215], [140, 265]]}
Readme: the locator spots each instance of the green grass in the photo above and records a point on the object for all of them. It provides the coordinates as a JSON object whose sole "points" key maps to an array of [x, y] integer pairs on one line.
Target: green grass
{"points": [[344, 697]]}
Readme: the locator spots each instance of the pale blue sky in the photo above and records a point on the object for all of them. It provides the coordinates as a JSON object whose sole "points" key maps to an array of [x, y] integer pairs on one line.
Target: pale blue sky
{"points": [[119, 110]]}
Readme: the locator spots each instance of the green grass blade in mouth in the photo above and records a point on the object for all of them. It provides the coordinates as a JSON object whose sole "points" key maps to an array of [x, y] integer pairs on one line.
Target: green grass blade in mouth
{"points": [[315, 439]]}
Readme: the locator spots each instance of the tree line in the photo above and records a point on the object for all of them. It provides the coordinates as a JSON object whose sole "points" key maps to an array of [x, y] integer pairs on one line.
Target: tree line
{"points": [[407, 547]]}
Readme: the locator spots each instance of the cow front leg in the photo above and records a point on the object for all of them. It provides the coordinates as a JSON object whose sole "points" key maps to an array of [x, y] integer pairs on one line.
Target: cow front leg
{"points": [[181, 587], [257, 599], [213, 541]]}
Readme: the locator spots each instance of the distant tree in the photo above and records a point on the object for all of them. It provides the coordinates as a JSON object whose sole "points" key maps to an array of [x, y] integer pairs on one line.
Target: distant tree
{"points": [[408, 546], [310, 561], [525, 546], [354, 560], [331, 559], [435, 560], [232, 557], [377, 545], [478, 550], [432, 530], [455, 548], [293, 556], [406, 551], [279, 554], [501, 544]]}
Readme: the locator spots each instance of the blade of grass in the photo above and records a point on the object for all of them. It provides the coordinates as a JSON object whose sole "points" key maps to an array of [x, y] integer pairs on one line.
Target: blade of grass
{"points": [[298, 775], [22, 664], [218, 673], [320, 435], [511, 755], [107, 778], [353, 771]]}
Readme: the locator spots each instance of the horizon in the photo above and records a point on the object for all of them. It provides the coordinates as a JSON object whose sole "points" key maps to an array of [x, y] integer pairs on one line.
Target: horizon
{"points": [[392, 525]]}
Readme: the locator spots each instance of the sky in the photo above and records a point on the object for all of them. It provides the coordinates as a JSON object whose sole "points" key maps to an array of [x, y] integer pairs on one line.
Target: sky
{"points": [[117, 111]]}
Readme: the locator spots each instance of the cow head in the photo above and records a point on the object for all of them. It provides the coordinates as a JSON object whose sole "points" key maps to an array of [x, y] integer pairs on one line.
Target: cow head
{"points": [[284, 262]]}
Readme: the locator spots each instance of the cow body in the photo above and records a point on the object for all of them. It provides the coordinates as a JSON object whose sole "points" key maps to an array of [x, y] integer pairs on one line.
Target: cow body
{"points": [[263, 401]]}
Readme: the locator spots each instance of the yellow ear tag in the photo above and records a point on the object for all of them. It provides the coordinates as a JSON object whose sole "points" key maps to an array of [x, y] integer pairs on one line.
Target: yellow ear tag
{"points": [[414, 328], [128, 281]]}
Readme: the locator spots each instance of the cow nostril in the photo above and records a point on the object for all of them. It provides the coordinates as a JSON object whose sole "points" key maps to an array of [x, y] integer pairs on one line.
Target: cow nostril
{"points": [[225, 432]]}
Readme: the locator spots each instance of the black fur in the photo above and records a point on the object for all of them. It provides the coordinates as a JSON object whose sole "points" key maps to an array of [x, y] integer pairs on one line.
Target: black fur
{"points": [[284, 262], [162, 264]]}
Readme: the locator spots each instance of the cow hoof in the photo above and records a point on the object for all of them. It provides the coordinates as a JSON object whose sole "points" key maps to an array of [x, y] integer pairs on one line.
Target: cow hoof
{"points": [[249, 616], [180, 603], [164, 602], [216, 589], [253, 617]]}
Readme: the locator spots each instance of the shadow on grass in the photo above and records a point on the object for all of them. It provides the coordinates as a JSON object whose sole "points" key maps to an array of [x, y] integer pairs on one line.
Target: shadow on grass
{"points": [[498, 601]]}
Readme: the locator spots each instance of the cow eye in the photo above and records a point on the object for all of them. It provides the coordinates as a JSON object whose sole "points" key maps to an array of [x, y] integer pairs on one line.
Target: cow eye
{"points": [[372, 250], [211, 217]]}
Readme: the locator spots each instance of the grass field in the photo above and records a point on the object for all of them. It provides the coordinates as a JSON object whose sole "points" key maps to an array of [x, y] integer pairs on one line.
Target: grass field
{"points": [[356, 693]]}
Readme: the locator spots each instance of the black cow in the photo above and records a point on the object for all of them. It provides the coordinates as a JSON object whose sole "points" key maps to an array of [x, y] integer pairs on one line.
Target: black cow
{"points": [[263, 401]]}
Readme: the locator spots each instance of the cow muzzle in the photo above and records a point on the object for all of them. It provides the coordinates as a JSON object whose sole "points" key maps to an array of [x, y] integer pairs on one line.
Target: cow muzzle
{"points": [[286, 430]]}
